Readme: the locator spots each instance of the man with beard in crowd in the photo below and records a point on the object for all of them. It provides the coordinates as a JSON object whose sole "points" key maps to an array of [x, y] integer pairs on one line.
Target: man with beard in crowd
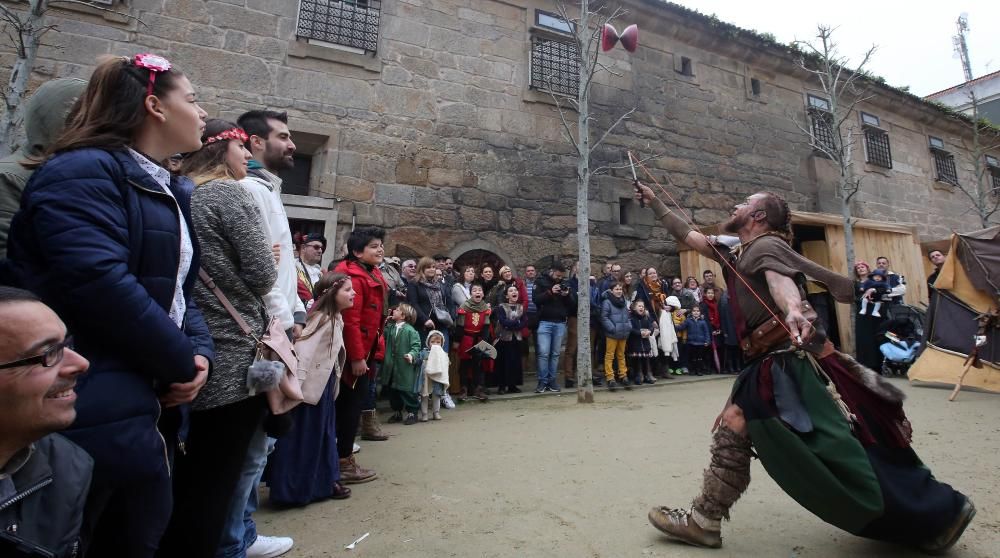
{"points": [[272, 148]]}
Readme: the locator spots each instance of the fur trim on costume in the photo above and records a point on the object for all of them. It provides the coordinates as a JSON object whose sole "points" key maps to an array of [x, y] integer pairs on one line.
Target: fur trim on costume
{"points": [[872, 380], [726, 478]]}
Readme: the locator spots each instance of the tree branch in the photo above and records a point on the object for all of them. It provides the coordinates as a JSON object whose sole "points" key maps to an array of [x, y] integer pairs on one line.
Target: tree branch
{"points": [[604, 169], [565, 124], [611, 128], [100, 8]]}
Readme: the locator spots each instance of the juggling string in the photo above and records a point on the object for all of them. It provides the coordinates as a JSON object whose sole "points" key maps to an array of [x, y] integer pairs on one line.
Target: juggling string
{"points": [[721, 257]]}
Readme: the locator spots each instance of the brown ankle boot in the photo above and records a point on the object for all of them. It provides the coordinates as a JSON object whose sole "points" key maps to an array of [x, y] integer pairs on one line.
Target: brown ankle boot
{"points": [[370, 429], [352, 473]]}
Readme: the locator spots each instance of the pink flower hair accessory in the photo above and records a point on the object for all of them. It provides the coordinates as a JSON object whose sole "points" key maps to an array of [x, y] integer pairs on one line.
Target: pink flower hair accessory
{"points": [[154, 63], [230, 134]]}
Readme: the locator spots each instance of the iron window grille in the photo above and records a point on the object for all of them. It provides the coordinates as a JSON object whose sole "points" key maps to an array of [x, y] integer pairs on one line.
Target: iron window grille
{"points": [[822, 130], [555, 66], [944, 163], [993, 167], [350, 23], [877, 150]]}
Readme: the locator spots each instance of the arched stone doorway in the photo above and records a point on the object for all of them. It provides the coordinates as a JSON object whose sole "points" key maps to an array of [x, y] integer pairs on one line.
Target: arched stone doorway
{"points": [[404, 252], [478, 258], [477, 253]]}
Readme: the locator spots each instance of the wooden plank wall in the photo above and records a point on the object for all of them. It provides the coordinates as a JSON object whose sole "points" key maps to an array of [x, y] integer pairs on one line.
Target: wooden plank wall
{"points": [[902, 248], [693, 263]]}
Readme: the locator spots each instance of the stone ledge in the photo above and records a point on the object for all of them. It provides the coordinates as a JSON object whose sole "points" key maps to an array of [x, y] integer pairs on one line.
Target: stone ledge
{"points": [[535, 96], [301, 48], [114, 14], [942, 185], [878, 170]]}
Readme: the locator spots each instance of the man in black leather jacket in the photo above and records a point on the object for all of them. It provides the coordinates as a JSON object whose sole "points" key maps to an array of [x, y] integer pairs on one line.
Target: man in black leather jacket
{"points": [[44, 478]]}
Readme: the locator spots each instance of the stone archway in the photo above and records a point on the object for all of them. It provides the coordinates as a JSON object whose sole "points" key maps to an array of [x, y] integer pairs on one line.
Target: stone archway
{"points": [[404, 252], [477, 253], [478, 258]]}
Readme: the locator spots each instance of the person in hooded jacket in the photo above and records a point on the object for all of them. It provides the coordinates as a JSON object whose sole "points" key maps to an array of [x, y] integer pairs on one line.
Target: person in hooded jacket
{"points": [[617, 324], [44, 119]]}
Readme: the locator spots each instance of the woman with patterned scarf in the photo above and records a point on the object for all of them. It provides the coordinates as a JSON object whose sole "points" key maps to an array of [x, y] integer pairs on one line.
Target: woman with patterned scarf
{"points": [[652, 292], [428, 297]]}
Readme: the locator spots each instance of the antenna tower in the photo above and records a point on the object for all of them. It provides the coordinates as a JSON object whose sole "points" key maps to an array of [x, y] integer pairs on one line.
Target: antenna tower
{"points": [[961, 48]]}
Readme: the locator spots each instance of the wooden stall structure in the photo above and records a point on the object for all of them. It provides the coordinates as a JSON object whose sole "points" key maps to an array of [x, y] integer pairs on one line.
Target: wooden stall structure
{"points": [[820, 237]]}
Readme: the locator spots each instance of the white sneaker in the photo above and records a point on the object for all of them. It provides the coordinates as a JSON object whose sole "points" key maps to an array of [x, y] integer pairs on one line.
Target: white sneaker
{"points": [[269, 547], [356, 448], [447, 401]]}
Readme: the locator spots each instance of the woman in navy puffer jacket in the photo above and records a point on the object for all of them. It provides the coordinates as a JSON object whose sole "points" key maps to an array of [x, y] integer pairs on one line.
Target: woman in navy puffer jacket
{"points": [[104, 237]]}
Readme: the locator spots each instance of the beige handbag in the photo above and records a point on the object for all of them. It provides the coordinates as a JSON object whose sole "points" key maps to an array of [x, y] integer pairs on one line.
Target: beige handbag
{"points": [[273, 345], [321, 353]]}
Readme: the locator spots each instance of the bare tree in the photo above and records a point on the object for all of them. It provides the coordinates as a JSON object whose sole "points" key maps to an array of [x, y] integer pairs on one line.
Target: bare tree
{"points": [[982, 192], [586, 31], [834, 128], [24, 30]]}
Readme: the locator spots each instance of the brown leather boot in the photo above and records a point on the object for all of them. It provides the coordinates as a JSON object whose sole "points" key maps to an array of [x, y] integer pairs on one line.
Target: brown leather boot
{"points": [[352, 473], [370, 429], [682, 526]]}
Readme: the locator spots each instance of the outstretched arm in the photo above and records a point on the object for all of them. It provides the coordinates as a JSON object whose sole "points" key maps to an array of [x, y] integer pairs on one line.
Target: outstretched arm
{"points": [[677, 226]]}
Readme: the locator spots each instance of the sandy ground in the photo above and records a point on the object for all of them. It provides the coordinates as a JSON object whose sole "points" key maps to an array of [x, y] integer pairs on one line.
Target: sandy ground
{"points": [[545, 476]]}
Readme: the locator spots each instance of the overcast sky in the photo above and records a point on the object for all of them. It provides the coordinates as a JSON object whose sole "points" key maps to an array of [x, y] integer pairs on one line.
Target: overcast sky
{"points": [[913, 37]]}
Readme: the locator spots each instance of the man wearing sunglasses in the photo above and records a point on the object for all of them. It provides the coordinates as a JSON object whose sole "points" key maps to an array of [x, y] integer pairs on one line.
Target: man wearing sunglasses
{"points": [[44, 477]]}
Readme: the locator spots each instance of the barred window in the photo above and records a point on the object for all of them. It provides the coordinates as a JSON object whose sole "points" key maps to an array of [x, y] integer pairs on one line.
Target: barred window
{"points": [[877, 151], [993, 167], [554, 66], [350, 23], [822, 130], [944, 163]]}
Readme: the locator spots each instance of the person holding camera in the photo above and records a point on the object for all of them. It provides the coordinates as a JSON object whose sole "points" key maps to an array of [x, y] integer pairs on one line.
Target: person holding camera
{"points": [[555, 302]]}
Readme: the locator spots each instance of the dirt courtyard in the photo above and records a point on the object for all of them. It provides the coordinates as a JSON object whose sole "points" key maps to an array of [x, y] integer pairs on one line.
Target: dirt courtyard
{"points": [[545, 476]]}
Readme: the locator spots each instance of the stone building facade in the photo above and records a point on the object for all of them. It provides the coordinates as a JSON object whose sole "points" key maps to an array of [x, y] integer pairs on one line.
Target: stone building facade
{"points": [[436, 129]]}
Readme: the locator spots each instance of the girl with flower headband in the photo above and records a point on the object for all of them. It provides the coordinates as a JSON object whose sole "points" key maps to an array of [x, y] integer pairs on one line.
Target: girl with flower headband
{"points": [[236, 254], [104, 236]]}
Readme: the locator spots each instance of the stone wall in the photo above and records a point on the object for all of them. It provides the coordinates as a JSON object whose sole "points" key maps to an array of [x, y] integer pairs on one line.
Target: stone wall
{"points": [[439, 138]]}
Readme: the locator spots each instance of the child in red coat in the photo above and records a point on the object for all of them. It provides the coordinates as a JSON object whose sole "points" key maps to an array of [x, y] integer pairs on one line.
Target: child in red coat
{"points": [[473, 323]]}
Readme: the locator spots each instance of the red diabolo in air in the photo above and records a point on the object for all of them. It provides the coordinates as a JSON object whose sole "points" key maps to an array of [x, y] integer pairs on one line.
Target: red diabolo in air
{"points": [[629, 37]]}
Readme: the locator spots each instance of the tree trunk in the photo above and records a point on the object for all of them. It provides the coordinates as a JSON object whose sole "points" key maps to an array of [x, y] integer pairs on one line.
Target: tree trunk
{"points": [[30, 36], [845, 211], [584, 378]]}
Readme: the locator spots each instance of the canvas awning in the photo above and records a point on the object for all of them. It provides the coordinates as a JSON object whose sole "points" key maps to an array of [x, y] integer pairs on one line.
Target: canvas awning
{"points": [[967, 287]]}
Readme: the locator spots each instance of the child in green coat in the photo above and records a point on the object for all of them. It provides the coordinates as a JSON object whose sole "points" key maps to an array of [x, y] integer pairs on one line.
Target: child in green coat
{"points": [[400, 368]]}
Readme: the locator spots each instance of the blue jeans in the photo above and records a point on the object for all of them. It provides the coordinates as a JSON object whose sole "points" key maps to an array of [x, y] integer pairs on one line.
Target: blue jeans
{"points": [[550, 337], [241, 531]]}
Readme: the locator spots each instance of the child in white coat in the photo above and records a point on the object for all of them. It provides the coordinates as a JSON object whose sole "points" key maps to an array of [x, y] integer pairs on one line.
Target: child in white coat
{"points": [[432, 383]]}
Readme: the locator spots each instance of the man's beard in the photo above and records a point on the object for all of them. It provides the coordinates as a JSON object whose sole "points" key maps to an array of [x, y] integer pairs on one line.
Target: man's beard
{"points": [[277, 161], [732, 225]]}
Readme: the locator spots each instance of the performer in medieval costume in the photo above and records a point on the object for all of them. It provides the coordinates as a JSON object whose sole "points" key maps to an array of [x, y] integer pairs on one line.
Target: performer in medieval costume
{"points": [[829, 431], [474, 326]]}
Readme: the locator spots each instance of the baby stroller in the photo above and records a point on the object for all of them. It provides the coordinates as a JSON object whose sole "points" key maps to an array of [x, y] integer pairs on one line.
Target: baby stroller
{"points": [[900, 345]]}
